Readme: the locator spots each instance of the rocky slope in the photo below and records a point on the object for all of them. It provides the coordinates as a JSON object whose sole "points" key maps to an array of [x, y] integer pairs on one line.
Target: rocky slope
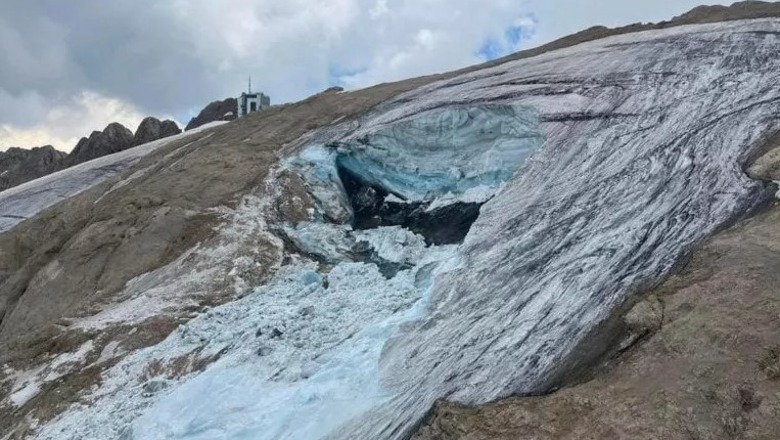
{"points": [[215, 111], [18, 165], [333, 267]]}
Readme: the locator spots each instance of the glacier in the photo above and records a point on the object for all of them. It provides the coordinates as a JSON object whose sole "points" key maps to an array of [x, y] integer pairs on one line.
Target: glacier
{"points": [[642, 160], [297, 357], [311, 393], [599, 167]]}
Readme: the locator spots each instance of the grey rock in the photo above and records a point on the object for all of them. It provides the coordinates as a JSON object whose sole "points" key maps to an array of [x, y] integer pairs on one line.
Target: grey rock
{"points": [[644, 319], [215, 111], [18, 165], [152, 129], [113, 139]]}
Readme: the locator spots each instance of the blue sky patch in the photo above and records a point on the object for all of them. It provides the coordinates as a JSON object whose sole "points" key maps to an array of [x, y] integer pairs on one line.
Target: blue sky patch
{"points": [[523, 29], [337, 75]]}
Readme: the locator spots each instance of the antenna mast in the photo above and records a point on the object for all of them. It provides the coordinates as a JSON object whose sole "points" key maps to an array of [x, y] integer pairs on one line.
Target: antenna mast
{"points": [[250, 85]]}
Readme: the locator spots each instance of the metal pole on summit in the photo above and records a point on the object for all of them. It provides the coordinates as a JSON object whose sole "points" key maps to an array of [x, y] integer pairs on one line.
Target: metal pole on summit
{"points": [[250, 85]]}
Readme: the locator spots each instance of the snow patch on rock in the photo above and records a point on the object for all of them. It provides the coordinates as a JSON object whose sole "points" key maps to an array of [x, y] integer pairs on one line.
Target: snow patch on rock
{"points": [[27, 384]]}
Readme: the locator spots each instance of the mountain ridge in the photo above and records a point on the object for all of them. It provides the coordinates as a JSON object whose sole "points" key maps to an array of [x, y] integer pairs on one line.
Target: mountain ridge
{"points": [[20, 165]]}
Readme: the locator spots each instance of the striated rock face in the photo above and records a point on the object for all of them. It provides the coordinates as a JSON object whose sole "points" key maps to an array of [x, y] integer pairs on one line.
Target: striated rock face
{"points": [[19, 165], [215, 111], [114, 138], [152, 129]]}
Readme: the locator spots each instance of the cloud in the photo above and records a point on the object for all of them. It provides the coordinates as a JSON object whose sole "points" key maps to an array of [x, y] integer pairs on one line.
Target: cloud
{"points": [[63, 125], [174, 56], [520, 31]]}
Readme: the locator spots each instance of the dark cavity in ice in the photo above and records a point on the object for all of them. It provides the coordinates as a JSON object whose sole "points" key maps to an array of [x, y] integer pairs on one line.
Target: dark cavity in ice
{"points": [[445, 225]]}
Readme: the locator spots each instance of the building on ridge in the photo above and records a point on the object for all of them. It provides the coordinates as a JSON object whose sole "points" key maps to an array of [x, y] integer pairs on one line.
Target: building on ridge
{"points": [[250, 102]]}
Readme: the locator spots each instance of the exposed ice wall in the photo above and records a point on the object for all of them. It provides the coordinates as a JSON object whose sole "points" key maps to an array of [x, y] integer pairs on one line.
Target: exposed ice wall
{"points": [[446, 151], [454, 153], [645, 137]]}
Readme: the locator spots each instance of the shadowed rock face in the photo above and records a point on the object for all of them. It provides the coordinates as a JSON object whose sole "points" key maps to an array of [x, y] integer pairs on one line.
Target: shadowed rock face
{"points": [[443, 225], [152, 129], [215, 111], [114, 138], [19, 165]]}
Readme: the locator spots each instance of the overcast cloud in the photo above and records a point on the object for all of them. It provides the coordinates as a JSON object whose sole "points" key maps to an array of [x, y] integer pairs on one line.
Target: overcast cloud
{"points": [[68, 68]]}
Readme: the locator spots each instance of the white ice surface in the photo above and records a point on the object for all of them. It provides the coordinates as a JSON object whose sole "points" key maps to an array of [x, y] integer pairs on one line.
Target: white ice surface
{"points": [[319, 373]]}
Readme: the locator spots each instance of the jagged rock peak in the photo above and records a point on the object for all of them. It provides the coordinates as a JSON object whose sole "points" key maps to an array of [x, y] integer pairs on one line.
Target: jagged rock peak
{"points": [[19, 165], [215, 111], [152, 129], [114, 138]]}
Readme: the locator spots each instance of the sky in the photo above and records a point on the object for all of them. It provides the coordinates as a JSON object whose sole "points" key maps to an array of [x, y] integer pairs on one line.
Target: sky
{"points": [[68, 68]]}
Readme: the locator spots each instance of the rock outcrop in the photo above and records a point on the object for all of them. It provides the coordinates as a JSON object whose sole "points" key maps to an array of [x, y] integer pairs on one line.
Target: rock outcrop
{"points": [[18, 165], [152, 129], [215, 111], [114, 138]]}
